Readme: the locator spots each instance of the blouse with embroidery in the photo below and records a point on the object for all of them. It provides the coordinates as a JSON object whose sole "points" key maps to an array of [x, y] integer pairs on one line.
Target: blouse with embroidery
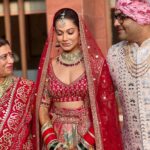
{"points": [[57, 91]]}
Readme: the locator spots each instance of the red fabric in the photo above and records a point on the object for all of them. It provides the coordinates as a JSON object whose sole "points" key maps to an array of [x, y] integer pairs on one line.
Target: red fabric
{"points": [[50, 138], [88, 138], [103, 97], [108, 113], [16, 116], [49, 130], [91, 130], [61, 92]]}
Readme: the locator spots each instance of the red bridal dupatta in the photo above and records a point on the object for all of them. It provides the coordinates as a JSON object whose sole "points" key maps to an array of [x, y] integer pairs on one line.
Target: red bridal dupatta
{"points": [[101, 93], [15, 115]]}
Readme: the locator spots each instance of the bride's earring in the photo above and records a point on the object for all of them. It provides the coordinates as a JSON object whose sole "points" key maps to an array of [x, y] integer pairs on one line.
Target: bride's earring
{"points": [[57, 44]]}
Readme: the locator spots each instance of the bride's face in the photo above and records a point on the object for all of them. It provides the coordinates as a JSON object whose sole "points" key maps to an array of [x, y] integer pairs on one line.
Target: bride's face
{"points": [[67, 34]]}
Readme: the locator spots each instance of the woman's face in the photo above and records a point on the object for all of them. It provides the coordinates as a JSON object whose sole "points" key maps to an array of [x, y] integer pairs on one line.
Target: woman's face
{"points": [[6, 61], [67, 34]]}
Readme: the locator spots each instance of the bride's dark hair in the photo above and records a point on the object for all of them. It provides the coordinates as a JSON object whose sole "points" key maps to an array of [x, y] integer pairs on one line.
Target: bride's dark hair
{"points": [[67, 13]]}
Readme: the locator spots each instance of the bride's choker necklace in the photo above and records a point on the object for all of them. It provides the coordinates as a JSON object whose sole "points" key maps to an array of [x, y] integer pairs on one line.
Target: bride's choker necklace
{"points": [[70, 59]]}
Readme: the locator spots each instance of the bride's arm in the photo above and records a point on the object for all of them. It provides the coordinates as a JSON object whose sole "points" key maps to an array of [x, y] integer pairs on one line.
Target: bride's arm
{"points": [[47, 131]]}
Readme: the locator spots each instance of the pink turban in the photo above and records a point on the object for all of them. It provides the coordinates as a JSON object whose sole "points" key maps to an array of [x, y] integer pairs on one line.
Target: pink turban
{"points": [[138, 10]]}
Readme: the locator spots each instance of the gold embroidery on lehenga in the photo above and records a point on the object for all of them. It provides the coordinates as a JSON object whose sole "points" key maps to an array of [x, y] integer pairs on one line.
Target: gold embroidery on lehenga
{"points": [[70, 125]]}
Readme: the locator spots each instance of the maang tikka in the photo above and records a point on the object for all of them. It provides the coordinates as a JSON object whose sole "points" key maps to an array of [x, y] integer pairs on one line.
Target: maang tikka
{"points": [[62, 18]]}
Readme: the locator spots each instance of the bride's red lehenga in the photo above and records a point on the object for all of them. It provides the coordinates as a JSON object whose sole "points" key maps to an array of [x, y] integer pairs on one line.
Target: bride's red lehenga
{"points": [[94, 87]]}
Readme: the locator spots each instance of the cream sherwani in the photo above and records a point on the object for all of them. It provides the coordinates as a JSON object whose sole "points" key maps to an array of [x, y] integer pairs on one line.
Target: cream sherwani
{"points": [[133, 91]]}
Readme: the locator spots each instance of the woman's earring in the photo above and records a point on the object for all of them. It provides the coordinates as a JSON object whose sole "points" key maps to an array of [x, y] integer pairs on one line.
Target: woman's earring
{"points": [[57, 44]]}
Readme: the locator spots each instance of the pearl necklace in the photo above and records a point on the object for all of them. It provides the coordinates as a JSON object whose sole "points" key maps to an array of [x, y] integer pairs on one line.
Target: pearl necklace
{"points": [[4, 85], [136, 70], [70, 59]]}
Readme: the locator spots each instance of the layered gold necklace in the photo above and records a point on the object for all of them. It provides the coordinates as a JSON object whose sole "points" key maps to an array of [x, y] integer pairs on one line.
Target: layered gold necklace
{"points": [[136, 70], [70, 59], [4, 85]]}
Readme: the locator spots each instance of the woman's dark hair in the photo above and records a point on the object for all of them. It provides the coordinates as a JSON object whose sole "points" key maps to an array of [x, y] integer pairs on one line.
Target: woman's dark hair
{"points": [[67, 13], [3, 42]]}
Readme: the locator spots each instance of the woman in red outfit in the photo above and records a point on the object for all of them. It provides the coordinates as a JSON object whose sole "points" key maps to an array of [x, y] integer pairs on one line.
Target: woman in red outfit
{"points": [[75, 96], [16, 103]]}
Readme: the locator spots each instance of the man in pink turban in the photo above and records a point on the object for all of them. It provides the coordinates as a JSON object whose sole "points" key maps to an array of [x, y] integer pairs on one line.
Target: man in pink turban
{"points": [[137, 10], [129, 63]]}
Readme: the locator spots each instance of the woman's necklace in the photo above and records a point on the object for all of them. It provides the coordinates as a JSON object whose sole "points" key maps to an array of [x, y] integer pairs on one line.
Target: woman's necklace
{"points": [[4, 85], [70, 59], [136, 70]]}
